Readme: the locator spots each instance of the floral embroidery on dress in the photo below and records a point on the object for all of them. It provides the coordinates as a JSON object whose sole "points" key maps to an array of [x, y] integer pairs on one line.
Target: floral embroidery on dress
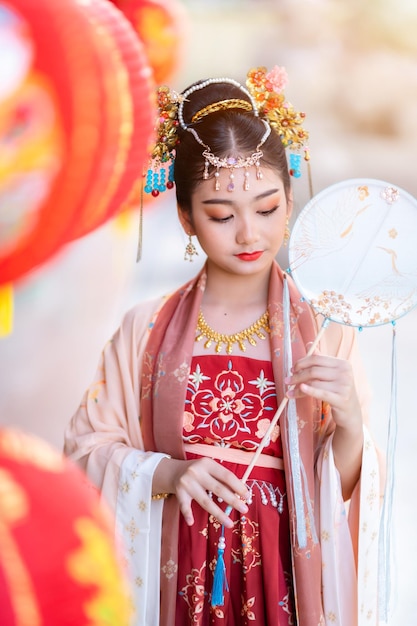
{"points": [[326, 413], [248, 554], [247, 609], [147, 367], [170, 568], [276, 324], [263, 426], [188, 422], [286, 606], [159, 373], [194, 592], [181, 372], [197, 377], [276, 320], [94, 390], [228, 406]]}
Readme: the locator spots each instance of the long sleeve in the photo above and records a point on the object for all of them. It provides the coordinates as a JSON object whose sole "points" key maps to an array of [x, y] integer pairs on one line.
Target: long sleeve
{"points": [[349, 531], [104, 438]]}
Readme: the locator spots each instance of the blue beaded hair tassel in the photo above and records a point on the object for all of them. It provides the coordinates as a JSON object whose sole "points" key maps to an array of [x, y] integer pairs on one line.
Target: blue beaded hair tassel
{"points": [[295, 167], [156, 178], [155, 183], [295, 164]]}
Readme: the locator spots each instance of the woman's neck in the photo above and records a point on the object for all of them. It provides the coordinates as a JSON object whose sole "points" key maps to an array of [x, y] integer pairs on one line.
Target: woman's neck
{"points": [[232, 304], [229, 294]]}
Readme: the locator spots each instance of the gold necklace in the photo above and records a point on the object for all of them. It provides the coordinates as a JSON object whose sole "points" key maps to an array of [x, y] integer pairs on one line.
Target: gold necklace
{"points": [[260, 328]]}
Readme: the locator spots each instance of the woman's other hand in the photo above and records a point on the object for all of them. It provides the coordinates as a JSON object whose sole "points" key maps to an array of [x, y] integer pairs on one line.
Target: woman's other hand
{"points": [[204, 480]]}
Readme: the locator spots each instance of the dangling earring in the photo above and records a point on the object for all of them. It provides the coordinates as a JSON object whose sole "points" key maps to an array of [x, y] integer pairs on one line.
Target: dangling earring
{"points": [[190, 250], [287, 232]]}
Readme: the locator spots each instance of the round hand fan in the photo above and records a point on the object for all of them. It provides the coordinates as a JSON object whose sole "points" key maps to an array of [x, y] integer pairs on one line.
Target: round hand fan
{"points": [[353, 257], [353, 253]]}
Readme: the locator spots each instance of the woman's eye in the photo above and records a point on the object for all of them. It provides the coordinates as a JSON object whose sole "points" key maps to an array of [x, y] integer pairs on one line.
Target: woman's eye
{"points": [[221, 219], [269, 211]]}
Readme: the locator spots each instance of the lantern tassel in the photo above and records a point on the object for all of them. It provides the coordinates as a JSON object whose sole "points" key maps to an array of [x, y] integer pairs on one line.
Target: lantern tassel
{"points": [[6, 309]]}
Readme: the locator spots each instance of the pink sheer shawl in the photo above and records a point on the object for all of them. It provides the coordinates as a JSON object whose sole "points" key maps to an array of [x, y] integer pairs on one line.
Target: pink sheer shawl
{"points": [[166, 366]]}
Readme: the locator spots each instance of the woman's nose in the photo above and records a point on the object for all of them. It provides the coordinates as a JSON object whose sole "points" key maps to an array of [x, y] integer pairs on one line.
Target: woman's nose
{"points": [[247, 231]]}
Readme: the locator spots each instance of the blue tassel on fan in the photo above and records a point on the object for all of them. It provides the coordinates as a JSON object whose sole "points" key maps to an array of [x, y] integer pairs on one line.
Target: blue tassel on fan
{"points": [[220, 584]]}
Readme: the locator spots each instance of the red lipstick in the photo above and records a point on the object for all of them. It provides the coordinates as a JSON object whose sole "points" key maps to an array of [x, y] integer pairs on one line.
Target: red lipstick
{"points": [[250, 256]]}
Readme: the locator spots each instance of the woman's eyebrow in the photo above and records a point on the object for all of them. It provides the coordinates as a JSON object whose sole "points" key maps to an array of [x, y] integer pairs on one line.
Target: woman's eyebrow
{"points": [[266, 194], [229, 202]]}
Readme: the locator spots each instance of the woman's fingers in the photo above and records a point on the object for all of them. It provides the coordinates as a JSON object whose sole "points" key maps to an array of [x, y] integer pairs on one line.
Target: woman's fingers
{"points": [[326, 372], [208, 483], [207, 503], [328, 379]]}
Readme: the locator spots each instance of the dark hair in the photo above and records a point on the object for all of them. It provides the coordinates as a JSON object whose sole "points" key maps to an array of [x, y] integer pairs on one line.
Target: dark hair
{"points": [[231, 132]]}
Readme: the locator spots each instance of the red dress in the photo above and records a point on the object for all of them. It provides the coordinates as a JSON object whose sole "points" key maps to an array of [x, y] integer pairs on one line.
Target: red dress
{"points": [[230, 402]]}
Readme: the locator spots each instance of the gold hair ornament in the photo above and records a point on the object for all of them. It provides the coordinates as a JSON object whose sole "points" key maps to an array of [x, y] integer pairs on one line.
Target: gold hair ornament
{"points": [[265, 99], [267, 89], [163, 152], [223, 105]]}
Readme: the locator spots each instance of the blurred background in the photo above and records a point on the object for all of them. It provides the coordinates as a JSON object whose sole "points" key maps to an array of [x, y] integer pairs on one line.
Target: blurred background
{"points": [[352, 67]]}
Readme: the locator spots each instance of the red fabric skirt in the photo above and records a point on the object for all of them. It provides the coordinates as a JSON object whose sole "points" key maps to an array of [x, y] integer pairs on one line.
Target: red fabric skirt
{"points": [[257, 559]]}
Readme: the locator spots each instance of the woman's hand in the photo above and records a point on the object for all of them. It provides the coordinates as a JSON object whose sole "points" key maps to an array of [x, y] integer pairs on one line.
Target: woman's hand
{"points": [[331, 380], [328, 379], [195, 480]]}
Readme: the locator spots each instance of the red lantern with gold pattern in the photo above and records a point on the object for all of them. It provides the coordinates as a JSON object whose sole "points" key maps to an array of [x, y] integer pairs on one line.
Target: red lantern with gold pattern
{"points": [[162, 26], [76, 119], [59, 563]]}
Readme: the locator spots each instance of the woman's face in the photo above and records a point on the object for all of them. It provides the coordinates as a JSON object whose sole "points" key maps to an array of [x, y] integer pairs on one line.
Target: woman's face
{"points": [[240, 231]]}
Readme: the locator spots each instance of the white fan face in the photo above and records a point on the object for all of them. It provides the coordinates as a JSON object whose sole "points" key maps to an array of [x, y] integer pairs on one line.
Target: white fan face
{"points": [[353, 252]]}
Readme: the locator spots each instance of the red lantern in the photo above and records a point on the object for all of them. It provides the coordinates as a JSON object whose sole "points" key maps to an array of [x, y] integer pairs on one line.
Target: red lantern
{"points": [[58, 559], [76, 119], [162, 25]]}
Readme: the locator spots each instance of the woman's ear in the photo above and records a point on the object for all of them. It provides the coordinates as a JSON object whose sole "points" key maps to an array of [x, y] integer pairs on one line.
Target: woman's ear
{"points": [[185, 220]]}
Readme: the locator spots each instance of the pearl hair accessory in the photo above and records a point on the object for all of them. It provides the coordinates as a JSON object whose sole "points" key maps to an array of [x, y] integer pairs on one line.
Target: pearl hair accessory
{"points": [[233, 163], [206, 83], [230, 162]]}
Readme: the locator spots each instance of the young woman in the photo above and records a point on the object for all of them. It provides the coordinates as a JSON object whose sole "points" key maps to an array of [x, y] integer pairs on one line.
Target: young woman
{"points": [[189, 384]]}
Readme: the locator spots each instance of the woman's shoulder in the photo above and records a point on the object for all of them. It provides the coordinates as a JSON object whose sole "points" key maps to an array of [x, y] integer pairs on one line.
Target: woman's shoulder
{"points": [[145, 312], [145, 307], [141, 315], [137, 322]]}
